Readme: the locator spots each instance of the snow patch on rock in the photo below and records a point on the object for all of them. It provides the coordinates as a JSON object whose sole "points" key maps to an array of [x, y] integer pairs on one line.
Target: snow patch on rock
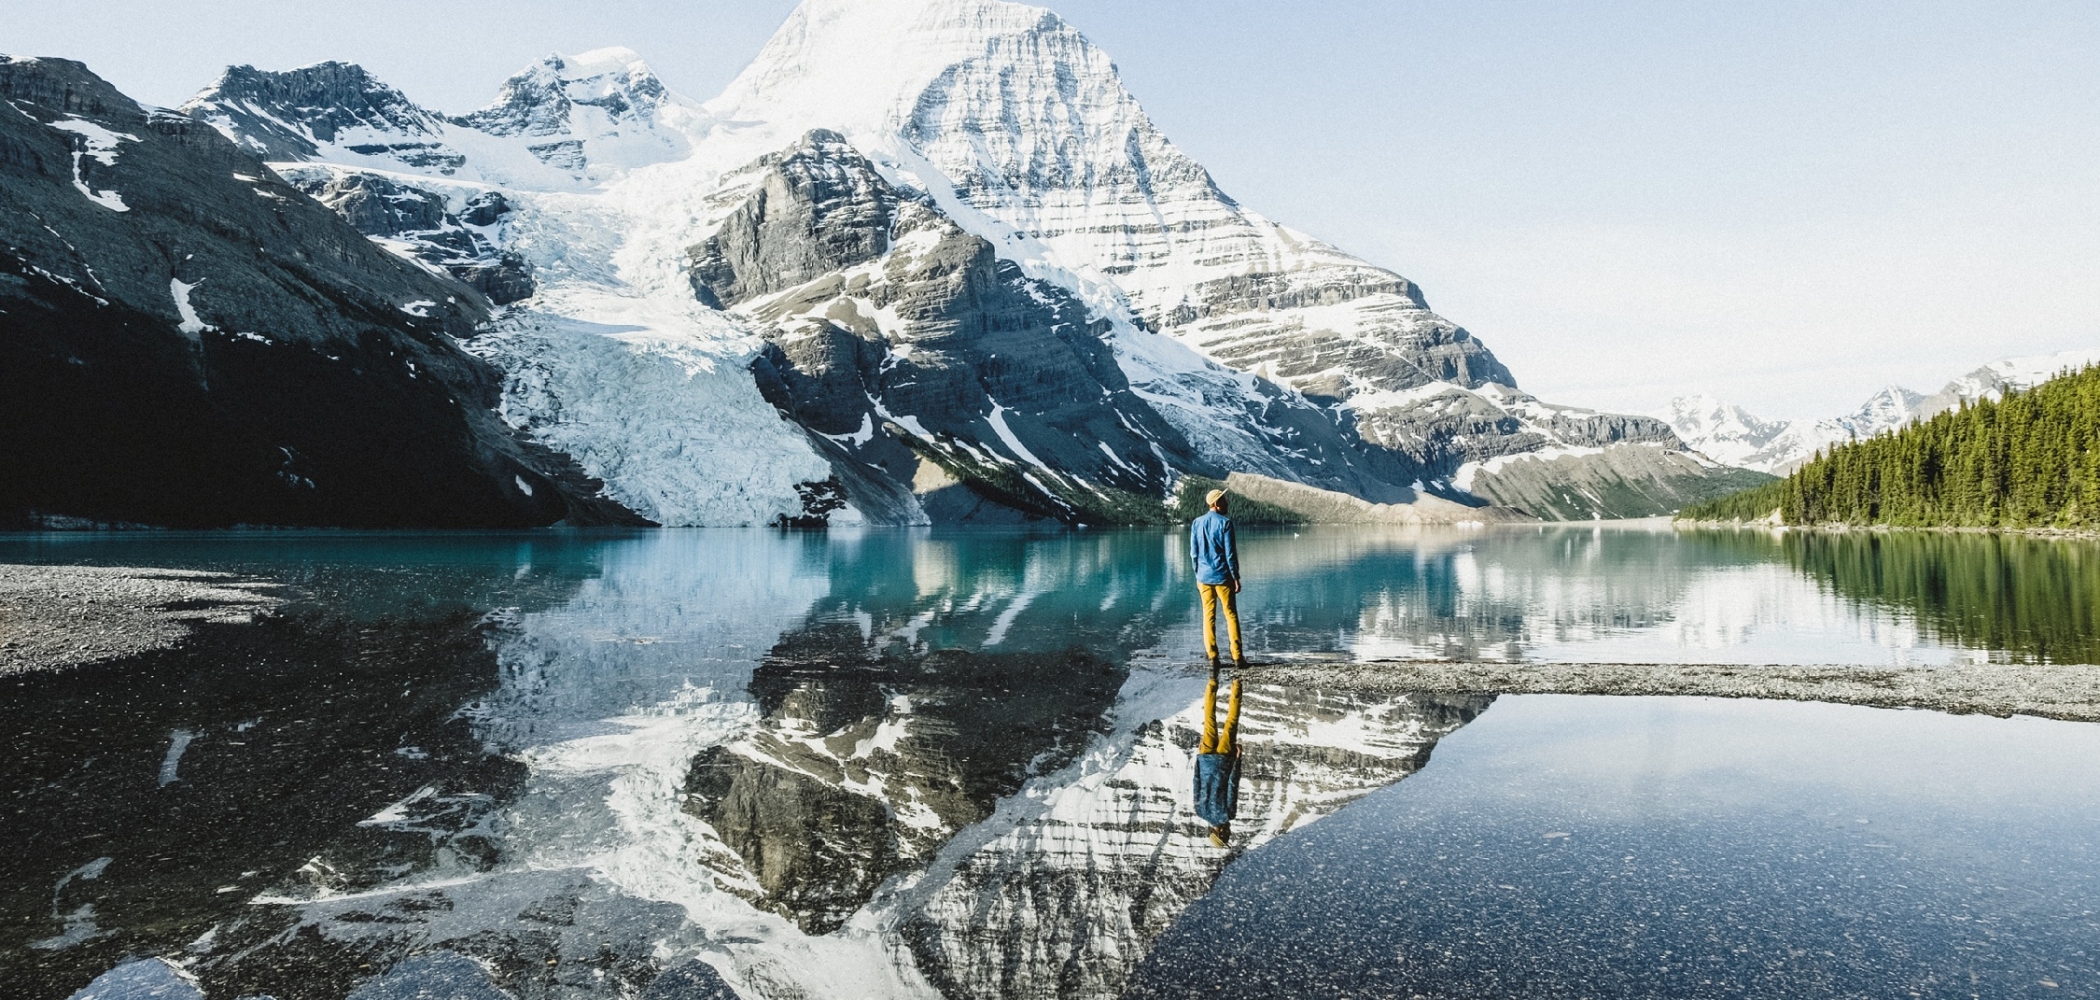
{"points": [[101, 146], [191, 323]]}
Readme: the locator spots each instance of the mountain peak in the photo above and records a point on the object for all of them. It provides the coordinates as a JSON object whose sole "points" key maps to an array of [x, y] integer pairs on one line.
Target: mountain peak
{"points": [[288, 114], [544, 98], [1704, 417], [1891, 407], [598, 62], [860, 65]]}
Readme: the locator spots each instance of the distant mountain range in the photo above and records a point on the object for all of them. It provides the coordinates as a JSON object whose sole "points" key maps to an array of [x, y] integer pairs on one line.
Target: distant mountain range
{"points": [[1730, 435], [967, 280]]}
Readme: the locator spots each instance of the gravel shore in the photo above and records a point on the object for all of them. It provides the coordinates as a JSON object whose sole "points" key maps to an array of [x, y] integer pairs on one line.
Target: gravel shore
{"points": [[2070, 692], [62, 616]]}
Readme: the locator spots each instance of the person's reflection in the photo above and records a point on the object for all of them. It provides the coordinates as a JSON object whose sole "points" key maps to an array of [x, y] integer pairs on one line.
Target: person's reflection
{"points": [[1218, 763]]}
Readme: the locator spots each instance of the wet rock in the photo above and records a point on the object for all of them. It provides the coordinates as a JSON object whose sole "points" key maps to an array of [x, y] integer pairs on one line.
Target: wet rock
{"points": [[208, 772], [60, 616], [430, 977]]}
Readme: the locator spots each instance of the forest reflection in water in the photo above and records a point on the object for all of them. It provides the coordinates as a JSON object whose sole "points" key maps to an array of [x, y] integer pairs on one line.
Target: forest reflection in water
{"points": [[2021, 598], [948, 763], [1562, 593]]}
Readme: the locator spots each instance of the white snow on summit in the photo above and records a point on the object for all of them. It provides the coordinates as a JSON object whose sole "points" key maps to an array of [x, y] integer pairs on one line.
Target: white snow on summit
{"points": [[1015, 113]]}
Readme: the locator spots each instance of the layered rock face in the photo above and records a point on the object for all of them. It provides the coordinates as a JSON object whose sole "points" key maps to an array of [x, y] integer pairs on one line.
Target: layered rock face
{"points": [[187, 340], [1031, 125], [926, 365], [1037, 131]]}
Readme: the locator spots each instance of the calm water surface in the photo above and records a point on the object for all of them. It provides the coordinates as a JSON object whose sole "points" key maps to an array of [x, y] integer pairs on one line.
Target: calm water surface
{"points": [[913, 763]]}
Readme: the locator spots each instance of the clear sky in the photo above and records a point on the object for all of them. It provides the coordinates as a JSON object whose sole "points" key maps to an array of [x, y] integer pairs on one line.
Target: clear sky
{"points": [[1787, 204]]}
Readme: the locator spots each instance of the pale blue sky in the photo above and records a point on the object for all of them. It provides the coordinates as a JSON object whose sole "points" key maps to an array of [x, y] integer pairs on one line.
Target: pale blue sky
{"points": [[1786, 204]]}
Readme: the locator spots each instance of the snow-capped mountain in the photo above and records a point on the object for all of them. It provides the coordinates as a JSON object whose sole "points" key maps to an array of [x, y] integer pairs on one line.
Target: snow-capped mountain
{"points": [[1021, 128], [565, 122], [1730, 435], [1993, 380], [1028, 123], [1210, 340]]}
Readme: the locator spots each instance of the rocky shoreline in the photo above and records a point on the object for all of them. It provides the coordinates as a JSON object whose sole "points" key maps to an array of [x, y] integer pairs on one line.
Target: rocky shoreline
{"points": [[53, 617], [2050, 691]]}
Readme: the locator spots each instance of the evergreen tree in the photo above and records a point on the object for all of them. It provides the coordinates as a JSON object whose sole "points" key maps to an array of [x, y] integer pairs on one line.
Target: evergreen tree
{"points": [[2031, 459]]}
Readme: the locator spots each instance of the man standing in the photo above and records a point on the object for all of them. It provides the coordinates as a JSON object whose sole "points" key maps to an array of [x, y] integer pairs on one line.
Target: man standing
{"points": [[1217, 558]]}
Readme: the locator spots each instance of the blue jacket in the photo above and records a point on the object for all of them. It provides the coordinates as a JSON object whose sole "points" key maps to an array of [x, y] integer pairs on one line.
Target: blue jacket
{"points": [[1218, 787], [1211, 546]]}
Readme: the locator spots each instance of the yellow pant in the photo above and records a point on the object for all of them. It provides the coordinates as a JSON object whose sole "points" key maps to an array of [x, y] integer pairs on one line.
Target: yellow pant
{"points": [[1215, 594], [1214, 741]]}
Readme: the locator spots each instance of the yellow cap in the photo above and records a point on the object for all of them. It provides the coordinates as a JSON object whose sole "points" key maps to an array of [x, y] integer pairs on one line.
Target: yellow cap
{"points": [[1211, 499]]}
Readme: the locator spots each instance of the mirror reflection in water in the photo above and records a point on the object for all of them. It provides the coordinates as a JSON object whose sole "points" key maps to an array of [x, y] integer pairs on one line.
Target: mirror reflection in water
{"points": [[895, 763]]}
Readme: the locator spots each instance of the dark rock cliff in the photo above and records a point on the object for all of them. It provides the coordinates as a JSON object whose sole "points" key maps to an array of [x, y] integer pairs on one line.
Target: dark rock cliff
{"points": [[186, 340]]}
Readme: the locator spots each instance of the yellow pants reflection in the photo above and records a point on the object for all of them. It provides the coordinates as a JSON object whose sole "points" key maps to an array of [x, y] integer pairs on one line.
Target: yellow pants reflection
{"points": [[1214, 741]]}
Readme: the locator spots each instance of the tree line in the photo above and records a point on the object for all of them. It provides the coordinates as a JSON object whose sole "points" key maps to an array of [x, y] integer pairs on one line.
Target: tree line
{"points": [[2028, 460]]}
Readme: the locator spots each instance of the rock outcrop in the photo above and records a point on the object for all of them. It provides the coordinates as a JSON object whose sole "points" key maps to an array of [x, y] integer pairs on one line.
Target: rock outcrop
{"points": [[1578, 485], [1318, 506], [421, 222], [934, 372], [295, 115]]}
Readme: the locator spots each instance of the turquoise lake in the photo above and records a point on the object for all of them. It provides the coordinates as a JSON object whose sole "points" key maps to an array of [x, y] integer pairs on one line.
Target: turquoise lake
{"points": [[929, 763]]}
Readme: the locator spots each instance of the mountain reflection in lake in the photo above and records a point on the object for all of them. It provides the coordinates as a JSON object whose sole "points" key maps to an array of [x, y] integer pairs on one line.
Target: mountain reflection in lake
{"points": [[893, 763]]}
